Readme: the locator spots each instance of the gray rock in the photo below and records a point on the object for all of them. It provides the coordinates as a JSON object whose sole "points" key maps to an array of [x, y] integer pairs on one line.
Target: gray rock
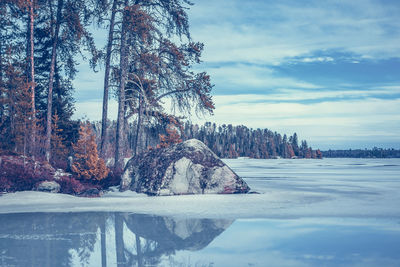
{"points": [[49, 186], [186, 168]]}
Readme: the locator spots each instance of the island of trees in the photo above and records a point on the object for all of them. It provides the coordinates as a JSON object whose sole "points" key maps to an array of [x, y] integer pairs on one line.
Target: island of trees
{"points": [[363, 153]]}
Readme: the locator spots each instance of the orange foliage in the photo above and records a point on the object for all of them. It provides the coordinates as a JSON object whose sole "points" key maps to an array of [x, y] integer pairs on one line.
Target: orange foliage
{"points": [[87, 164], [172, 137]]}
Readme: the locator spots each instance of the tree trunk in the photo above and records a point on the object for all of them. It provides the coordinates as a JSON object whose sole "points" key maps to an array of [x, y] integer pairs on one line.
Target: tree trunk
{"points": [[51, 79], [13, 111], [32, 74], [2, 93], [119, 151], [106, 81], [138, 126]]}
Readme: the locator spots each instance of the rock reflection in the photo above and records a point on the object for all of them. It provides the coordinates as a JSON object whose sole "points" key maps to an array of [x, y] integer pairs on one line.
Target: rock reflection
{"points": [[123, 239]]}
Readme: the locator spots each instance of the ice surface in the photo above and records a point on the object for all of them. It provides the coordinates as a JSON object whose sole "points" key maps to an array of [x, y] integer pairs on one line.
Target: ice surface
{"points": [[288, 189]]}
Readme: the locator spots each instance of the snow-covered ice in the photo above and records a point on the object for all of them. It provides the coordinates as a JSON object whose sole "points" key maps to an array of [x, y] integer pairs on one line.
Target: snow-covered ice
{"points": [[331, 212], [288, 189]]}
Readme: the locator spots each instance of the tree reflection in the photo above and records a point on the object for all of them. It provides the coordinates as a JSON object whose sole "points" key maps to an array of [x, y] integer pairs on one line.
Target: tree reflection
{"points": [[64, 239]]}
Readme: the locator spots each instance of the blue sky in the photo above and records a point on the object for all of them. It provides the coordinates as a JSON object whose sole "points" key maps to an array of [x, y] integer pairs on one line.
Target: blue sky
{"points": [[328, 70]]}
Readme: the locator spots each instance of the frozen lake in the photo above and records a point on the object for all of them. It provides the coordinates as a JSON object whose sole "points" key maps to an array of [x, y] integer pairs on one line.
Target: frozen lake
{"points": [[326, 212]]}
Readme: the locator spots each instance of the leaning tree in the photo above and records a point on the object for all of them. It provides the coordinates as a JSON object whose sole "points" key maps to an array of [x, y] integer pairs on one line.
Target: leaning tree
{"points": [[156, 58]]}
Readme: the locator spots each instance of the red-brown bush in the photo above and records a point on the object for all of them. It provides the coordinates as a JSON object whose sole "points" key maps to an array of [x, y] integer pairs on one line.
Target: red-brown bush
{"points": [[70, 185], [19, 174]]}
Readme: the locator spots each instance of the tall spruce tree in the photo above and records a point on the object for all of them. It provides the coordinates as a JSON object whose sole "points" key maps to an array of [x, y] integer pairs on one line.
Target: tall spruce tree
{"points": [[15, 100], [153, 67], [69, 22]]}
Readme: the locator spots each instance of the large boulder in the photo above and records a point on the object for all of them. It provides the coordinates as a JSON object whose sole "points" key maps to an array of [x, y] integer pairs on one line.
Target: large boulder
{"points": [[186, 168]]}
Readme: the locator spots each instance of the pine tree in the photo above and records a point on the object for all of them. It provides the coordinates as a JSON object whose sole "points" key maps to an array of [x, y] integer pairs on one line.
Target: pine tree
{"points": [[58, 148], [87, 164], [68, 21], [154, 68]]}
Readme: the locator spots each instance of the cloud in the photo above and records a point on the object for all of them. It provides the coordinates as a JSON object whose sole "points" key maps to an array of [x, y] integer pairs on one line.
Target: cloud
{"points": [[245, 76], [290, 95], [317, 59], [271, 32]]}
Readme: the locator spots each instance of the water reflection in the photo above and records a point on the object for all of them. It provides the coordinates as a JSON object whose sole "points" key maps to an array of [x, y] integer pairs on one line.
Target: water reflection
{"points": [[98, 239], [123, 239]]}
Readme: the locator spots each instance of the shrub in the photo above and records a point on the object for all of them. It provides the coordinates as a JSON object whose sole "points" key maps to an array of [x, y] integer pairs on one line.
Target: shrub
{"points": [[70, 185], [5, 184], [19, 174]]}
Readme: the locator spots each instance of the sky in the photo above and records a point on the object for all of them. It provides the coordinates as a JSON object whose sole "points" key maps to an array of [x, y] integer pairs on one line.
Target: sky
{"points": [[327, 70]]}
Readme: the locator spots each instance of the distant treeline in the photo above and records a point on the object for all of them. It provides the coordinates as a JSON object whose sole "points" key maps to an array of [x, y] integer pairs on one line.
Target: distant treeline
{"points": [[226, 141], [362, 153], [229, 141]]}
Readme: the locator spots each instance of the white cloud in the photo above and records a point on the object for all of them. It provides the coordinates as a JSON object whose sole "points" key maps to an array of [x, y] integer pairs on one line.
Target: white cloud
{"points": [[250, 76], [289, 95], [317, 59], [274, 31]]}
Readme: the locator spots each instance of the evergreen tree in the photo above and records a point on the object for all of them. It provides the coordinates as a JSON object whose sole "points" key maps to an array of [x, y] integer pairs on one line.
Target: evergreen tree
{"points": [[154, 67], [58, 147], [68, 21], [87, 164]]}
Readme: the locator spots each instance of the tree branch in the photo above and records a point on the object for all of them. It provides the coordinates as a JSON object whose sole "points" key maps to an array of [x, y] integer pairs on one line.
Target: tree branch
{"points": [[170, 93]]}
